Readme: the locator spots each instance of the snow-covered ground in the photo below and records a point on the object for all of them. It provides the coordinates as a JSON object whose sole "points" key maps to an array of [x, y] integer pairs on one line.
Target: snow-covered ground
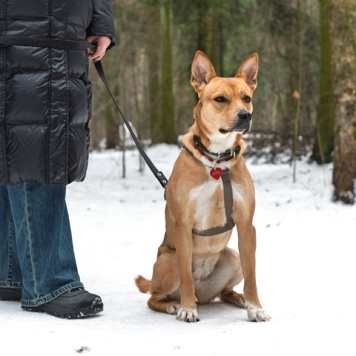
{"points": [[306, 269]]}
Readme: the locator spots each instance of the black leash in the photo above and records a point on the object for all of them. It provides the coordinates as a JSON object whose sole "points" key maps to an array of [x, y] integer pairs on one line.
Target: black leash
{"points": [[158, 174], [82, 45]]}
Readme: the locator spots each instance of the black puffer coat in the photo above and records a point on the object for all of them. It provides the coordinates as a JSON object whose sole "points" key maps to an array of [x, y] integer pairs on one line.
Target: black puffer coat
{"points": [[45, 94]]}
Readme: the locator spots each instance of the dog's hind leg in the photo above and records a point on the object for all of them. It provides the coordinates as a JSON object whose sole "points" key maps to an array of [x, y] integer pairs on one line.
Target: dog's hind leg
{"points": [[230, 296], [164, 285], [163, 305], [156, 302]]}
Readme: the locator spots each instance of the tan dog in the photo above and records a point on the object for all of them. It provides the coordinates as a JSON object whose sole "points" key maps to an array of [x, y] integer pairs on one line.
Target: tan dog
{"points": [[209, 190]]}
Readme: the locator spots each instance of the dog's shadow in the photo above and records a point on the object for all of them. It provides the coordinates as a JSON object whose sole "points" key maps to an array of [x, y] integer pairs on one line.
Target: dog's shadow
{"points": [[220, 311]]}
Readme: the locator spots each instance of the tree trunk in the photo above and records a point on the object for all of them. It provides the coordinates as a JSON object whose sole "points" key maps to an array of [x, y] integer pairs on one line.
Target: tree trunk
{"points": [[325, 122], [213, 36], [167, 105], [153, 72], [343, 31]]}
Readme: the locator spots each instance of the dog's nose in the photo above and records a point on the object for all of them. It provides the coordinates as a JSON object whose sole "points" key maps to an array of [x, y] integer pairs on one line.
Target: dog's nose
{"points": [[244, 115]]}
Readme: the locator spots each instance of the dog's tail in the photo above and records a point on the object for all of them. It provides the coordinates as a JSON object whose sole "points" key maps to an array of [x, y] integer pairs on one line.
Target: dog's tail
{"points": [[143, 284]]}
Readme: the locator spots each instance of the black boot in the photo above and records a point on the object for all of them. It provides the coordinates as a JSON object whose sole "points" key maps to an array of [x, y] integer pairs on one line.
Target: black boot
{"points": [[10, 293], [77, 303]]}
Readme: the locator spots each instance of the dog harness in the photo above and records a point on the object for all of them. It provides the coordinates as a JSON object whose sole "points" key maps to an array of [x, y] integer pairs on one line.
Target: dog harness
{"points": [[228, 201], [227, 187]]}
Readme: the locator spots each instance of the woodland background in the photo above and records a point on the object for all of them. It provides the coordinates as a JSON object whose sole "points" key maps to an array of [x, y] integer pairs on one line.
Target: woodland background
{"points": [[305, 103]]}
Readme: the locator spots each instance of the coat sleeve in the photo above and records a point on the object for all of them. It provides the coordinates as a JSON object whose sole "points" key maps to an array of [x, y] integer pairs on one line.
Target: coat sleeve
{"points": [[102, 23]]}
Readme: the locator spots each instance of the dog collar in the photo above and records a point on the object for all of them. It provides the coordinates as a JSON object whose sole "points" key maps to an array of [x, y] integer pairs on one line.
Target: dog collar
{"points": [[216, 157]]}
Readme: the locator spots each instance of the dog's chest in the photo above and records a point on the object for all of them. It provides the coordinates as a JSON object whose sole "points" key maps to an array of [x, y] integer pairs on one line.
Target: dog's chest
{"points": [[209, 204], [206, 198]]}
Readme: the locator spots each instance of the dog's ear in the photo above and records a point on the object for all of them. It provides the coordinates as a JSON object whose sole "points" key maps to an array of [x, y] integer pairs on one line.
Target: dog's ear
{"points": [[248, 70], [202, 71]]}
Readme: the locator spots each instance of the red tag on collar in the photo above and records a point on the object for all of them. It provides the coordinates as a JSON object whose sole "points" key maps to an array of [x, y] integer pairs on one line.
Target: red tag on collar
{"points": [[216, 173]]}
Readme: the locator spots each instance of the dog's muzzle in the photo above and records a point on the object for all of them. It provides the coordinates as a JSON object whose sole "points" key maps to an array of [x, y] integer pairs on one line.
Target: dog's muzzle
{"points": [[242, 124], [244, 120]]}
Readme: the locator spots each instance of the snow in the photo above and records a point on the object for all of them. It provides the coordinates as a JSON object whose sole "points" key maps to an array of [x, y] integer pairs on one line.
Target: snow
{"points": [[305, 269]]}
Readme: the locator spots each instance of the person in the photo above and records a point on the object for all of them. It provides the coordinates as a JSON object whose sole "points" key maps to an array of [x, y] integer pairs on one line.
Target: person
{"points": [[45, 107]]}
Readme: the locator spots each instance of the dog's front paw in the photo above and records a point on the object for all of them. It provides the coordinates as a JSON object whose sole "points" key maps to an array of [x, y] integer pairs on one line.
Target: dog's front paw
{"points": [[256, 313], [188, 315]]}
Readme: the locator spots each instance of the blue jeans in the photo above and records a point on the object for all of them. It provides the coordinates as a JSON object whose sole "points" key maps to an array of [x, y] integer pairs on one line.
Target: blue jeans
{"points": [[36, 248]]}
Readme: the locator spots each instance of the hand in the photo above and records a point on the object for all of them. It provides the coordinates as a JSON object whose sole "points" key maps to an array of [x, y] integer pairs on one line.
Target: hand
{"points": [[98, 52]]}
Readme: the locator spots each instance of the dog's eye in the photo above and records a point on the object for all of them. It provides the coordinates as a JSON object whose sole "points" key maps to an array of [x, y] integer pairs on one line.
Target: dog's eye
{"points": [[220, 99], [246, 99]]}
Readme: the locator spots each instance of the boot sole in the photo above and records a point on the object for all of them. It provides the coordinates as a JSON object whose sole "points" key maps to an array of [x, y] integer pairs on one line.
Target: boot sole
{"points": [[77, 314]]}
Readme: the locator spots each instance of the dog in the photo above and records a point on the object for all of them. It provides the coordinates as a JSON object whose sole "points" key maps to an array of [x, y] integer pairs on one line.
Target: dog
{"points": [[210, 191]]}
